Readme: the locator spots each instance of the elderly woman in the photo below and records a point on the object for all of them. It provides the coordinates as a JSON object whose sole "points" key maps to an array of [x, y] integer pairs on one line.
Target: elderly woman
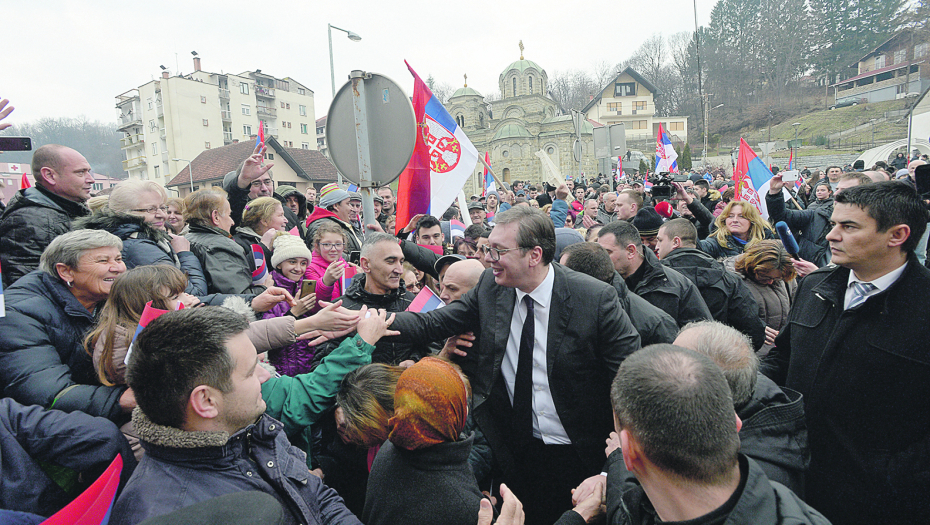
{"points": [[767, 271], [137, 213], [48, 313], [175, 221], [738, 226], [225, 266]]}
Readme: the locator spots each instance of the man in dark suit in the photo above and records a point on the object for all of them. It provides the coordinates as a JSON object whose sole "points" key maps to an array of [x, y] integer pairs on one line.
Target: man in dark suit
{"points": [[550, 342]]}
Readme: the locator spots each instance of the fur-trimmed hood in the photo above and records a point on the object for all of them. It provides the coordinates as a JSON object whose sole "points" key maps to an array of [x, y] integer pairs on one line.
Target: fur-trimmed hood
{"points": [[123, 225], [171, 437]]}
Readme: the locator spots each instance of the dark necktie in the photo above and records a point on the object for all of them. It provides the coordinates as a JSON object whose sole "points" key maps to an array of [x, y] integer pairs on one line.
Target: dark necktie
{"points": [[523, 385]]}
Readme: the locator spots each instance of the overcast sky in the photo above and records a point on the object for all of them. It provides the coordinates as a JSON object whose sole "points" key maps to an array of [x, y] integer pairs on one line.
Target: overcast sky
{"points": [[72, 58]]}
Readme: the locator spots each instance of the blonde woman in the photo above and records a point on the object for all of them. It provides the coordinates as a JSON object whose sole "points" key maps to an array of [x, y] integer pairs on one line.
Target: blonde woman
{"points": [[738, 226]]}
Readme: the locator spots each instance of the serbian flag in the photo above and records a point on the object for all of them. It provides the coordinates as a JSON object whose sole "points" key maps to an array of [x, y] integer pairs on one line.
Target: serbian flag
{"points": [[489, 184], [24, 183], [425, 301], [790, 161], [94, 505], [347, 277], [443, 159], [352, 188], [619, 174], [666, 156], [753, 178], [260, 139], [261, 267], [149, 314], [647, 185], [456, 228]]}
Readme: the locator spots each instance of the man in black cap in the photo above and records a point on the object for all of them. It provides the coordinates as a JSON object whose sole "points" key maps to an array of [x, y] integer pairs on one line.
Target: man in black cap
{"points": [[477, 213], [648, 221]]}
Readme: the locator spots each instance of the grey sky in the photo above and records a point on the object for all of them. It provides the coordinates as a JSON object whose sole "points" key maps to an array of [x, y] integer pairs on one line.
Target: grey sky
{"points": [[73, 57]]}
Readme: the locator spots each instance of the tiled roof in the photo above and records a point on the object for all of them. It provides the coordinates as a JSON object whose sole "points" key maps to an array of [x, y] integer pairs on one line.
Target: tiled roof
{"points": [[321, 121], [214, 164], [878, 71]]}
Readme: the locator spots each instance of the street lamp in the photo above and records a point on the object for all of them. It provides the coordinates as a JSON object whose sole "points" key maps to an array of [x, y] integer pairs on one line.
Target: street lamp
{"points": [[707, 130], [190, 168], [352, 36], [796, 124], [872, 120]]}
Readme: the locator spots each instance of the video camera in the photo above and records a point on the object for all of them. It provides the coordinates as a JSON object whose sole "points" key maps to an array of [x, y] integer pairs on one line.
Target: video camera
{"points": [[662, 185]]}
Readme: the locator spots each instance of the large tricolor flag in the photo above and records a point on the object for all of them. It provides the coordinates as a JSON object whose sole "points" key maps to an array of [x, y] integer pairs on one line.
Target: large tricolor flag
{"points": [[443, 159], [489, 184], [753, 178], [425, 301], [666, 156]]}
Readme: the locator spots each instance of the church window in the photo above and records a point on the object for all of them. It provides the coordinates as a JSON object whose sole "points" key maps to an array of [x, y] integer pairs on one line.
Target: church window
{"points": [[531, 84], [506, 175], [481, 120], [505, 154], [514, 86], [550, 150]]}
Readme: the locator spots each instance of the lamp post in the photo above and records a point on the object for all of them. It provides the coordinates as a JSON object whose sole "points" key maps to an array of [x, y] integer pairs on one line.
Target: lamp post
{"points": [[353, 36], [872, 120], [796, 124], [190, 168], [707, 129], [332, 71]]}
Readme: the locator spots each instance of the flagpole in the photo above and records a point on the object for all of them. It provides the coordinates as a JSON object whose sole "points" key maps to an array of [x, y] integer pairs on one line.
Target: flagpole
{"points": [[488, 167]]}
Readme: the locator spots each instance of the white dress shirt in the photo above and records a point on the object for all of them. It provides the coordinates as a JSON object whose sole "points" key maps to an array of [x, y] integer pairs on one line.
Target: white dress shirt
{"points": [[881, 284], [546, 423]]}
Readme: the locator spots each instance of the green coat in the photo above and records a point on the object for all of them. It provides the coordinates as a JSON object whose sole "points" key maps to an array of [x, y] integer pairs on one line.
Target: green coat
{"points": [[299, 401]]}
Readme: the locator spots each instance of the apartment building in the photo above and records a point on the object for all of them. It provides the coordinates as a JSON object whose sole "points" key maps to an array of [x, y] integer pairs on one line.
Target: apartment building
{"points": [[321, 136], [173, 119], [899, 67]]}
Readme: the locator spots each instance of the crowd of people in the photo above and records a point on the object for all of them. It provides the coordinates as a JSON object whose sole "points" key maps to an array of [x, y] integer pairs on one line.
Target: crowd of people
{"points": [[732, 378]]}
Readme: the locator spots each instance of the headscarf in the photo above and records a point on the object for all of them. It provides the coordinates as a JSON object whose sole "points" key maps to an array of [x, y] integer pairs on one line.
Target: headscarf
{"points": [[430, 405]]}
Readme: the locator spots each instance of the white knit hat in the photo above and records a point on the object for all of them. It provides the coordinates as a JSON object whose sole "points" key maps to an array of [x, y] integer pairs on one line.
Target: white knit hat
{"points": [[287, 246]]}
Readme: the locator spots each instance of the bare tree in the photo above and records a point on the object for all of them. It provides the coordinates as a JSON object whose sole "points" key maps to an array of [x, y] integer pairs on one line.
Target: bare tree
{"points": [[572, 89]]}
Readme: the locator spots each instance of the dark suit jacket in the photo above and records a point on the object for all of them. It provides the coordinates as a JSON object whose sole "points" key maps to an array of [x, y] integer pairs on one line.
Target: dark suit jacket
{"points": [[589, 336]]}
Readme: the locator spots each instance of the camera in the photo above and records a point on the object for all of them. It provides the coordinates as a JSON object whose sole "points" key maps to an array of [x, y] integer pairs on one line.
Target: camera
{"points": [[662, 185]]}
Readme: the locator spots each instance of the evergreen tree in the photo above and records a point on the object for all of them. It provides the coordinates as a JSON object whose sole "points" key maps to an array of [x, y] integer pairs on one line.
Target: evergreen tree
{"points": [[643, 168], [684, 160]]}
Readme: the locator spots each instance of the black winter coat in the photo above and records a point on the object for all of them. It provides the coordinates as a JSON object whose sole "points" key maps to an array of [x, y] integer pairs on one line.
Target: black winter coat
{"points": [[727, 298], [28, 225], [865, 377], [144, 245], [31, 435], [653, 324], [42, 356], [671, 291]]}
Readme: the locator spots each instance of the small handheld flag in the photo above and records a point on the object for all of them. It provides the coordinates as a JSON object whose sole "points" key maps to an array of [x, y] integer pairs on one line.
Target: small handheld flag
{"points": [[24, 183], [425, 301], [149, 314], [260, 139], [261, 269], [348, 276]]}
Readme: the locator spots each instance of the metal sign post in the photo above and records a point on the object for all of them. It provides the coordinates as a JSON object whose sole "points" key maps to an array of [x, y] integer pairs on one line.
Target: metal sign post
{"points": [[361, 141]]}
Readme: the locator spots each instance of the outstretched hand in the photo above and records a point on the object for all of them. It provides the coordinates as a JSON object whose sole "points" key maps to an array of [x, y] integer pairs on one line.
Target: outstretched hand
{"points": [[374, 325], [5, 110], [270, 297], [253, 167], [511, 511]]}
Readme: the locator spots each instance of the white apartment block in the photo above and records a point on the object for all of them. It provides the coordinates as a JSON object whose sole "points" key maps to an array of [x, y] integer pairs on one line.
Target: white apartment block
{"points": [[178, 117]]}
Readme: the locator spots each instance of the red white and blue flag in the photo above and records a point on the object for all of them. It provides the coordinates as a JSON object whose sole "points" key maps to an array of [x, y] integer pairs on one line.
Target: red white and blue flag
{"points": [[443, 159], [24, 183], [260, 139], [261, 267], [619, 174], [94, 505], [348, 276], [753, 178], [149, 314], [489, 184], [456, 228], [666, 156], [425, 301]]}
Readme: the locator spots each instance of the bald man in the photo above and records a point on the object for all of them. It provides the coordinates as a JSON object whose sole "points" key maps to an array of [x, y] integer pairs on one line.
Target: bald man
{"points": [[459, 278]]}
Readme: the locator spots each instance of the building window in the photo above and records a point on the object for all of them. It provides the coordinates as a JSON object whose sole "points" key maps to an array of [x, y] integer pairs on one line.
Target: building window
{"points": [[615, 106], [150, 103], [152, 125], [282, 105], [303, 110], [550, 150], [288, 105], [625, 89], [269, 156], [288, 125], [639, 105], [154, 148], [301, 91], [98, 186], [676, 126], [304, 145], [514, 86], [303, 129], [206, 145], [243, 88], [203, 99], [638, 124], [920, 50], [246, 109], [247, 130], [206, 122], [879, 61], [505, 154], [900, 55], [157, 171], [480, 120], [319, 131]]}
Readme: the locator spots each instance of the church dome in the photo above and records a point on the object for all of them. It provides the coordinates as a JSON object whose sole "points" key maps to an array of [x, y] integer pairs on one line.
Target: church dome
{"points": [[465, 92], [520, 66], [509, 131]]}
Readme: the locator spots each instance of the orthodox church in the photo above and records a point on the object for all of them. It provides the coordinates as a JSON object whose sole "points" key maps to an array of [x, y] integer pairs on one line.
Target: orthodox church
{"points": [[523, 121]]}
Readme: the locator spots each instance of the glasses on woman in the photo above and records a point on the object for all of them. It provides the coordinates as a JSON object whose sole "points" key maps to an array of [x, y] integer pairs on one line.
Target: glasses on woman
{"points": [[414, 287], [153, 209], [495, 252], [331, 245]]}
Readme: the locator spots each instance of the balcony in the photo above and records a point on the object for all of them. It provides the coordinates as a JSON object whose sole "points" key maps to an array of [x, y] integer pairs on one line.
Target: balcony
{"points": [[226, 115], [128, 120], [129, 141], [224, 93], [267, 111], [262, 91], [129, 96], [134, 163], [159, 110], [162, 133], [164, 156], [271, 131], [227, 138]]}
